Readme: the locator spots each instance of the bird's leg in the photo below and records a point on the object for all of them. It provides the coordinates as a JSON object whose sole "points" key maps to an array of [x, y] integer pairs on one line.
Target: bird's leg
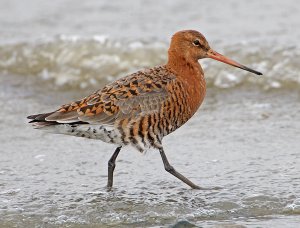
{"points": [[111, 167], [171, 170]]}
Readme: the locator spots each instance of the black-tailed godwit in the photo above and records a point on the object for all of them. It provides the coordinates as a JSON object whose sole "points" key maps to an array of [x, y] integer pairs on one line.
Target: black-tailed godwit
{"points": [[141, 108]]}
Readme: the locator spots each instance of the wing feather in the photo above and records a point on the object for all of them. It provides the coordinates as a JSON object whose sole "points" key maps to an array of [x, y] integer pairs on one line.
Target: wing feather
{"points": [[137, 94]]}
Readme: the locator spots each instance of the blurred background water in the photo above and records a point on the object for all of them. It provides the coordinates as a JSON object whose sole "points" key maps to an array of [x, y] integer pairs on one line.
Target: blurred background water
{"points": [[245, 137]]}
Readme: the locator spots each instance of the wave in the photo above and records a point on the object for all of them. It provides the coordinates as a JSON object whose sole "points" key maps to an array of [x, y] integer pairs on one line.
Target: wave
{"points": [[76, 62]]}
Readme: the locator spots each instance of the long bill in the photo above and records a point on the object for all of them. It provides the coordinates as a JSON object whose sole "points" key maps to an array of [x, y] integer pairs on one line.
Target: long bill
{"points": [[217, 56]]}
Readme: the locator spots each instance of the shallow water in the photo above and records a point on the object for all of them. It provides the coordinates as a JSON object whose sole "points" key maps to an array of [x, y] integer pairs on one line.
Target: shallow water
{"points": [[242, 140], [245, 137]]}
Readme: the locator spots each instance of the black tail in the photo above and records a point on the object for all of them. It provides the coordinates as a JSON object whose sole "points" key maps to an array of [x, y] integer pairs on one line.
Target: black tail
{"points": [[39, 117], [39, 120]]}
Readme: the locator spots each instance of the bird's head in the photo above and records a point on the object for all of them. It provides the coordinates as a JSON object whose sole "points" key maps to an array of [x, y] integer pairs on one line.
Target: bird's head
{"points": [[192, 45]]}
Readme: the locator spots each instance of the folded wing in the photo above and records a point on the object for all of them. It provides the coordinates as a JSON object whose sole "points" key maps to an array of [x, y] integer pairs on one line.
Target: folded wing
{"points": [[137, 94]]}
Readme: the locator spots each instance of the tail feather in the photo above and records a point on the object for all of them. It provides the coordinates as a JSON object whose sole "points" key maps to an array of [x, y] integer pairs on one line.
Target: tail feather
{"points": [[39, 117], [42, 124], [39, 120]]}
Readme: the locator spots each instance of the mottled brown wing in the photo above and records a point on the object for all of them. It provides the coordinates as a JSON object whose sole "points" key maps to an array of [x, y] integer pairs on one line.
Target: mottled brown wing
{"points": [[138, 94]]}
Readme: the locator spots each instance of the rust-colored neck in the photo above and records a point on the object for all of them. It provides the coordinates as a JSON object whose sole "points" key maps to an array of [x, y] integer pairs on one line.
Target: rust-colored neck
{"points": [[181, 63], [190, 73]]}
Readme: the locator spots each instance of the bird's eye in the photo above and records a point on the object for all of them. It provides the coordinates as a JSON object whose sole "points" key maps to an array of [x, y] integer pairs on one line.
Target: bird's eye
{"points": [[196, 42]]}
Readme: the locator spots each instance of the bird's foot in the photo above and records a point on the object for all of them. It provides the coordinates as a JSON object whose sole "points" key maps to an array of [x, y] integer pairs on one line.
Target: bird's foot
{"points": [[109, 188], [202, 188]]}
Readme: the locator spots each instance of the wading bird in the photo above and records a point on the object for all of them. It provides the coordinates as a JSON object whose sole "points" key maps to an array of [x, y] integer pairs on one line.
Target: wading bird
{"points": [[143, 107]]}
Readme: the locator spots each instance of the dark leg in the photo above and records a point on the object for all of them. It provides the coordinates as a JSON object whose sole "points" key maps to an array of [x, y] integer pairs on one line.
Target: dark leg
{"points": [[171, 170], [111, 167]]}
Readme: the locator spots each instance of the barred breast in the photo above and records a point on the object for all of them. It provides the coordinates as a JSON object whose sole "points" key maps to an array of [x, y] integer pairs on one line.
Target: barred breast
{"points": [[148, 129]]}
